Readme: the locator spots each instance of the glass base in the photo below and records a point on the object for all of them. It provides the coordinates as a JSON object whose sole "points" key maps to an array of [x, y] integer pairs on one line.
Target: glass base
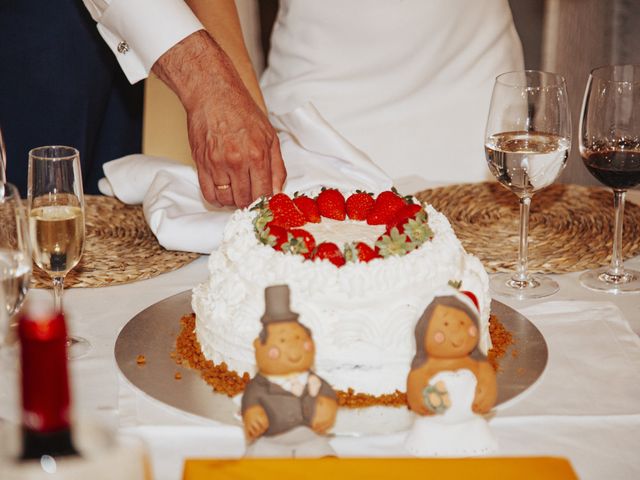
{"points": [[601, 280], [534, 287], [77, 347]]}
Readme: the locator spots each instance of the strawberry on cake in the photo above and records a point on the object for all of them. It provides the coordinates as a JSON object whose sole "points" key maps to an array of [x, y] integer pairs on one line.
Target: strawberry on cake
{"points": [[361, 269]]}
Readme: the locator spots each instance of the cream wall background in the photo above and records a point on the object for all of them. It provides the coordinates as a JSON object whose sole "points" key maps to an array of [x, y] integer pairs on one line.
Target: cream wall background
{"points": [[579, 35]]}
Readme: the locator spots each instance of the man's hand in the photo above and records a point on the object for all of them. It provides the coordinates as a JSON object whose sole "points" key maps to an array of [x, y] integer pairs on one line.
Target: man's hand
{"points": [[325, 414], [255, 422], [235, 148]]}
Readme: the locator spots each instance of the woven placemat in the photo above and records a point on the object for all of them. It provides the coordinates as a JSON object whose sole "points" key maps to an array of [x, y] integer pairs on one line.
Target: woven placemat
{"points": [[119, 248], [570, 227]]}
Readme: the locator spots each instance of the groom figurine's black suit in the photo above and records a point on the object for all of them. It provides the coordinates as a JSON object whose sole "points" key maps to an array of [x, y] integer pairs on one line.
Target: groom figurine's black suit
{"points": [[284, 409]]}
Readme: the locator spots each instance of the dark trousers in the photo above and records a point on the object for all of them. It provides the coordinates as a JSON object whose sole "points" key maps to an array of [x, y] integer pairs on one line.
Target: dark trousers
{"points": [[61, 85]]}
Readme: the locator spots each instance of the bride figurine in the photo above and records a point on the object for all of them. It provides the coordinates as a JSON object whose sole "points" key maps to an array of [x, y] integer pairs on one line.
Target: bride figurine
{"points": [[446, 387]]}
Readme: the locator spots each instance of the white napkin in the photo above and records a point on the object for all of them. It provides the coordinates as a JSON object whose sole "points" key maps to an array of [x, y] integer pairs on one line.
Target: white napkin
{"points": [[314, 153], [594, 360]]}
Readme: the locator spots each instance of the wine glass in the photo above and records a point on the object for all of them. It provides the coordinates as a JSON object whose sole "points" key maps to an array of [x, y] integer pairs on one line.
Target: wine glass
{"points": [[527, 143], [610, 149], [15, 255], [56, 219]]}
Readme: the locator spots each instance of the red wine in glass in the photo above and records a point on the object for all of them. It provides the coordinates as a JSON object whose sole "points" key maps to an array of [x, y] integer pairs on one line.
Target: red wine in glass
{"points": [[617, 167], [610, 149]]}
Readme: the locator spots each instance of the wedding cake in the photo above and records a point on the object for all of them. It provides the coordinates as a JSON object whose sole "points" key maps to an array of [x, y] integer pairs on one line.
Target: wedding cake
{"points": [[361, 269]]}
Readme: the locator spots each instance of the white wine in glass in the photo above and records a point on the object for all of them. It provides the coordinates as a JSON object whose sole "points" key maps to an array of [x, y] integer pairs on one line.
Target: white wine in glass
{"points": [[527, 144], [58, 237], [56, 219]]}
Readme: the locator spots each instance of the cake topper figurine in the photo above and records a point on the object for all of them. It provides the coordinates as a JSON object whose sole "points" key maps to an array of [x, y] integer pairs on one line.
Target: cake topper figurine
{"points": [[448, 388], [286, 407]]}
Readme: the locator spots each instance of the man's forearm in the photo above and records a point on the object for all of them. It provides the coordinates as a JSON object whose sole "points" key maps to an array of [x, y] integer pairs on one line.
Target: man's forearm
{"points": [[195, 61], [221, 20]]}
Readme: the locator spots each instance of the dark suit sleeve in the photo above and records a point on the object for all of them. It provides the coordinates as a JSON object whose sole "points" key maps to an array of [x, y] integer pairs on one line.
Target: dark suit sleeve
{"points": [[327, 391], [251, 395]]}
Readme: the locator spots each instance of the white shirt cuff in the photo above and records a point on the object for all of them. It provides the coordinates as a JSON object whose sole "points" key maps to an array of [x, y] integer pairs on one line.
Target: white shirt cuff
{"points": [[140, 31]]}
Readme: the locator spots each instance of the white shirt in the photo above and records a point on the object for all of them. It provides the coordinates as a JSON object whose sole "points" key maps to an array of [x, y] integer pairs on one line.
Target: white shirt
{"points": [[293, 383], [408, 82], [140, 31]]}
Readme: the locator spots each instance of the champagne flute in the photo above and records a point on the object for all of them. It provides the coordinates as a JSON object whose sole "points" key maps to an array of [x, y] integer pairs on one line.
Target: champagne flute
{"points": [[15, 255], [610, 149], [527, 143], [56, 219]]}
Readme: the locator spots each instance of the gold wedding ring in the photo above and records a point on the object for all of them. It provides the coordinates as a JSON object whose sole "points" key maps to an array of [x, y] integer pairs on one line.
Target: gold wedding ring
{"points": [[226, 186]]}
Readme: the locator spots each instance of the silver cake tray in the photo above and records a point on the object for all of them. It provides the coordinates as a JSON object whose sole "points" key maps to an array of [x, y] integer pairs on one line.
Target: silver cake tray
{"points": [[153, 333]]}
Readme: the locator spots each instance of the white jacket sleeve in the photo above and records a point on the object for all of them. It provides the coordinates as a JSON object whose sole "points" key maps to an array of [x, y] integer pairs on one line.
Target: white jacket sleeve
{"points": [[140, 31]]}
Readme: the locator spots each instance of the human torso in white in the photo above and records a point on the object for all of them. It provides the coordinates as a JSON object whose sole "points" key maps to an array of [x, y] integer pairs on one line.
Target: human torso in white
{"points": [[406, 81]]}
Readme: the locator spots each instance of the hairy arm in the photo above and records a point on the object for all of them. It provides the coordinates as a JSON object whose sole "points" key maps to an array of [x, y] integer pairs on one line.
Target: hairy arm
{"points": [[220, 18]]}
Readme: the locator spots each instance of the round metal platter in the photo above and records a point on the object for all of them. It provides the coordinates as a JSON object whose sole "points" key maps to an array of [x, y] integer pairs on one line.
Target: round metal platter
{"points": [[153, 332]]}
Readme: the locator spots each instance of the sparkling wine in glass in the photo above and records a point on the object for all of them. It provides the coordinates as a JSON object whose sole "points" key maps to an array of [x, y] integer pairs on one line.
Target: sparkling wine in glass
{"points": [[56, 219], [527, 144], [15, 255], [610, 149]]}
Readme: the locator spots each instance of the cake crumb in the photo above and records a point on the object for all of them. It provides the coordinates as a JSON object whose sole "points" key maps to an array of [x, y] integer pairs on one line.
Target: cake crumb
{"points": [[189, 353], [141, 360], [178, 376], [223, 380], [501, 339]]}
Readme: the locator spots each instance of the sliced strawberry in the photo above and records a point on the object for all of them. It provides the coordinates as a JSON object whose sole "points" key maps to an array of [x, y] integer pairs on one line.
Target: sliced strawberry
{"points": [[359, 205], [404, 214], [331, 204], [299, 242], [473, 298], [365, 252], [285, 212], [331, 252], [387, 205], [308, 207], [359, 251], [274, 236]]}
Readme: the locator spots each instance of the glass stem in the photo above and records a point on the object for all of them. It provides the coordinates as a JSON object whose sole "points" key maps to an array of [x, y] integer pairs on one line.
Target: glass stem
{"points": [[58, 287], [617, 265], [522, 273]]}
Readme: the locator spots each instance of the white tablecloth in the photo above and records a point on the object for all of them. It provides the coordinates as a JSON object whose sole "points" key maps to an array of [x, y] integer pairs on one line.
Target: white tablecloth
{"points": [[599, 433]]}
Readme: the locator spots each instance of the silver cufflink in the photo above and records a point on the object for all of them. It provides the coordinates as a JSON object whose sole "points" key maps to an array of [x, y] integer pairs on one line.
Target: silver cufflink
{"points": [[123, 47]]}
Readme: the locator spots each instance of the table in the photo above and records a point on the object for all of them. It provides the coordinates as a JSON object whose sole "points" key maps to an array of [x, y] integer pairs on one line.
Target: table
{"points": [[599, 446]]}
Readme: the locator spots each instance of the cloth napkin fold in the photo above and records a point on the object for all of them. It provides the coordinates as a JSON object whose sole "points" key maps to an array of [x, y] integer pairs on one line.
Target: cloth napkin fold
{"points": [[594, 360], [314, 153]]}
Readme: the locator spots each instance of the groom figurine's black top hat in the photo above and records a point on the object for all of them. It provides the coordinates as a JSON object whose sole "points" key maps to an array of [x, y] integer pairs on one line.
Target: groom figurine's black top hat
{"points": [[276, 305]]}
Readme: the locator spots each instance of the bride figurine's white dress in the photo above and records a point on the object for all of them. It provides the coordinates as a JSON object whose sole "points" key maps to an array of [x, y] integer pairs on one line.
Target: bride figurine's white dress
{"points": [[406, 81], [458, 432]]}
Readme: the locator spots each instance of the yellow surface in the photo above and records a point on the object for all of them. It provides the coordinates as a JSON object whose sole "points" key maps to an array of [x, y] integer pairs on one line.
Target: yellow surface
{"points": [[547, 468], [164, 130]]}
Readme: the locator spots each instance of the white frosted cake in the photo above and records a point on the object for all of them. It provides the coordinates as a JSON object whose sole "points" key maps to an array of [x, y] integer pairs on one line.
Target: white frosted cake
{"points": [[362, 314]]}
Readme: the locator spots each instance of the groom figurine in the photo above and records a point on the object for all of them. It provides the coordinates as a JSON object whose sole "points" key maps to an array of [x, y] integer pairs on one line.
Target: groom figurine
{"points": [[286, 408]]}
